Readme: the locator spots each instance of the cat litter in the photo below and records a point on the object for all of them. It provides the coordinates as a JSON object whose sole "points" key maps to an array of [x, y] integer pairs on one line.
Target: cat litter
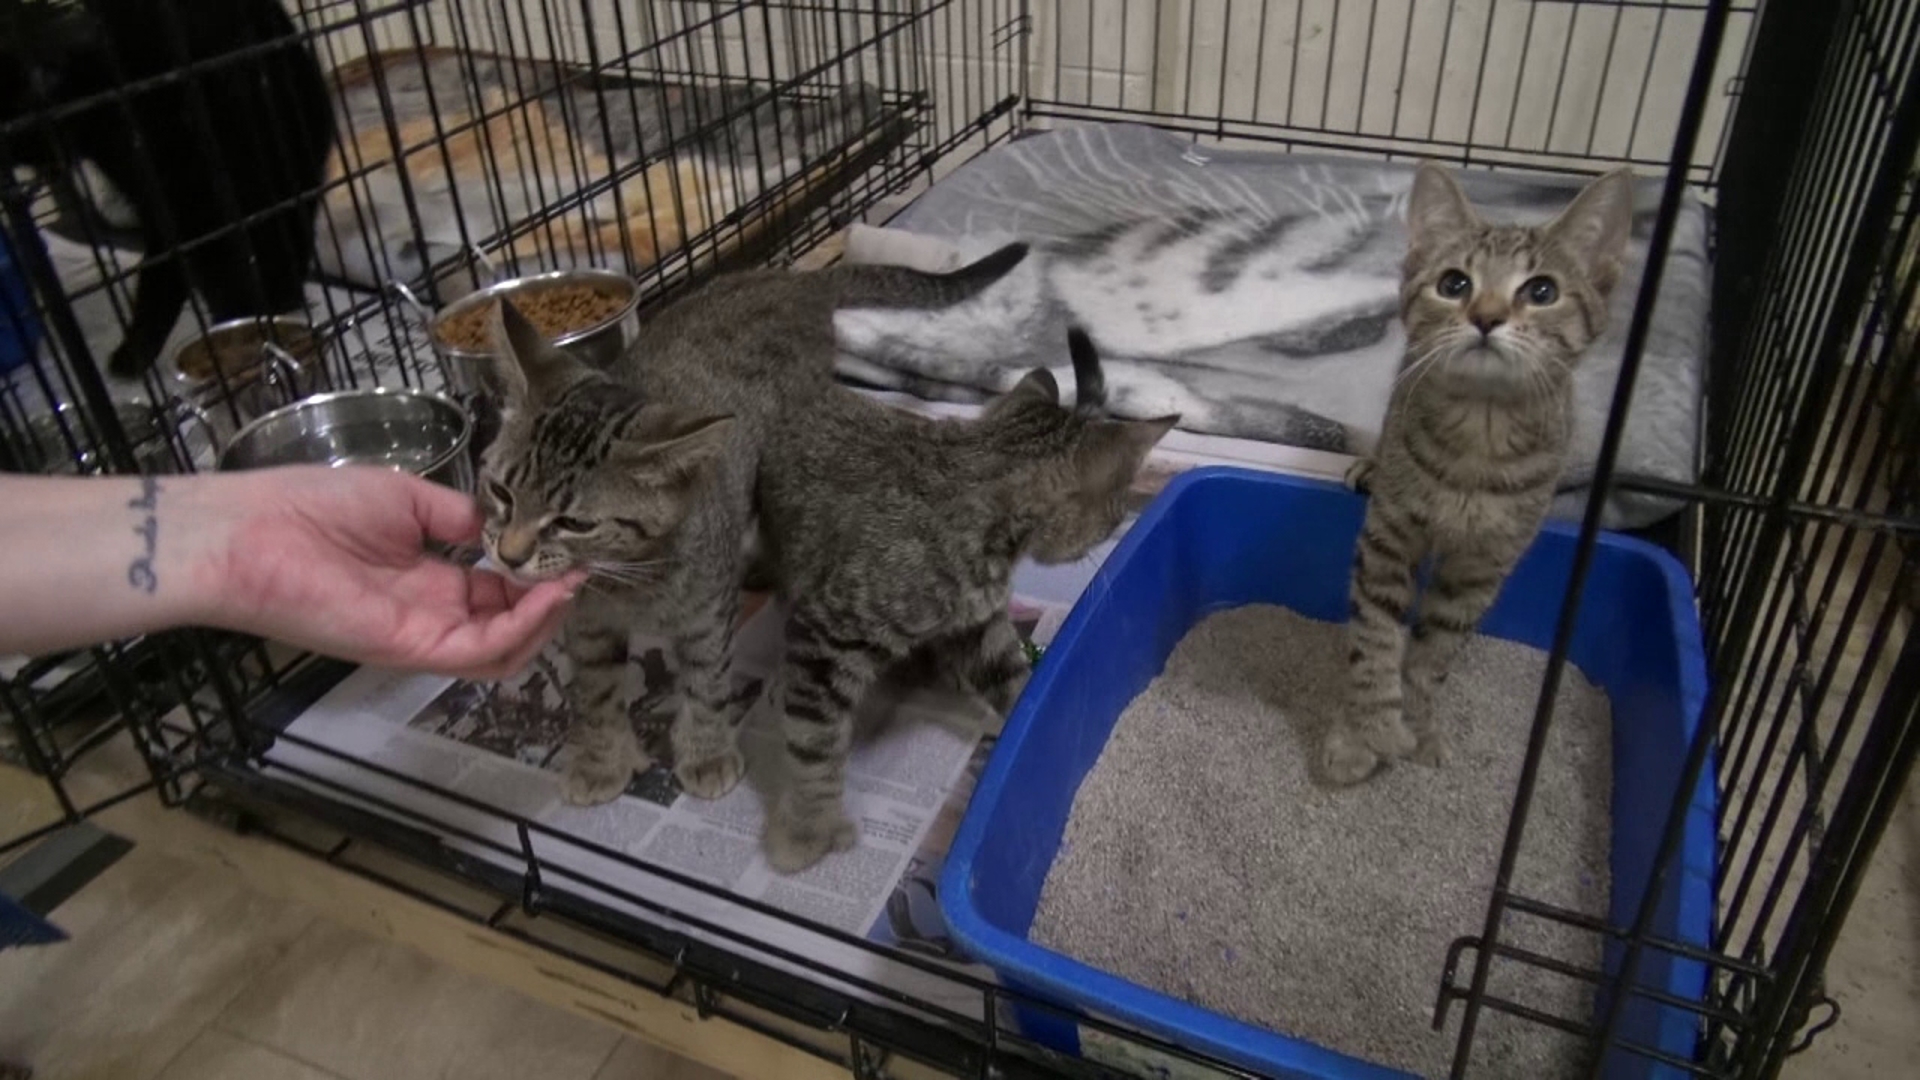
{"points": [[1202, 860]]}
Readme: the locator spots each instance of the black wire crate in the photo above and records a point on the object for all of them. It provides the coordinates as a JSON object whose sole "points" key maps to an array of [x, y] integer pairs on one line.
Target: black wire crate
{"points": [[456, 145], [432, 148]]}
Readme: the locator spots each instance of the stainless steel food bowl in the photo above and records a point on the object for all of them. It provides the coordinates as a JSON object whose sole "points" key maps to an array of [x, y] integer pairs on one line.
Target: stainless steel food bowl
{"points": [[239, 370], [598, 345], [424, 434]]}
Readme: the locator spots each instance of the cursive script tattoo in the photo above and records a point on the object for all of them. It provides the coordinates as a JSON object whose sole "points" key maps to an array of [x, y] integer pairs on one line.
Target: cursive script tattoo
{"points": [[140, 573]]}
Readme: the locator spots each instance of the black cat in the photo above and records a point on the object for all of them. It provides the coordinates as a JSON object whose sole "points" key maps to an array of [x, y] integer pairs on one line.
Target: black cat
{"points": [[194, 156]]}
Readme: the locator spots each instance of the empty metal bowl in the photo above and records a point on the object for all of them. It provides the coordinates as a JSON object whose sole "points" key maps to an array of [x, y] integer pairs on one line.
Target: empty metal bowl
{"points": [[408, 430]]}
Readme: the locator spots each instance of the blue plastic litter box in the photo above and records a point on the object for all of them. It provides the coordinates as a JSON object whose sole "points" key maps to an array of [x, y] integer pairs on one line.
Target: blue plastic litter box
{"points": [[1219, 538]]}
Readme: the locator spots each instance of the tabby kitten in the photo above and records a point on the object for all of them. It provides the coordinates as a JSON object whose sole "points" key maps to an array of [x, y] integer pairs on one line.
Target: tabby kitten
{"points": [[894, 536], [1474, 442], [644, 476]]}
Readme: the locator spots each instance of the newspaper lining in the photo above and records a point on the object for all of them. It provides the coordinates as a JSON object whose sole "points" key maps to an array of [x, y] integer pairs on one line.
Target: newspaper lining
{"points": [[913, 768]]}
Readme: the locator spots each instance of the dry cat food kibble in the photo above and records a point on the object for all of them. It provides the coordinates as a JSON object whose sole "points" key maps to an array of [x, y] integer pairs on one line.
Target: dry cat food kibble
{"points": [[1202, 861], [556, 310]]}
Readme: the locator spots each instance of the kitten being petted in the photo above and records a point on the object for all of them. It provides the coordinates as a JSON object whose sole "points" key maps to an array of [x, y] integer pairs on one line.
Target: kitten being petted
{"points": [[1475, 438], [894, 536], [645, 475]]}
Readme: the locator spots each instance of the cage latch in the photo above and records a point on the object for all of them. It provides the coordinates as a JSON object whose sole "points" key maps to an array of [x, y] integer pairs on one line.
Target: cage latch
{"points": [[1826, 1022], [679, 977], [532, 893], [869, 1061], [705, 1001], [1448, 991]]}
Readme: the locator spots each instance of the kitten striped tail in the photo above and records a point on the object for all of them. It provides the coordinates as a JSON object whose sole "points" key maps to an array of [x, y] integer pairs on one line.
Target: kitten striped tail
{"points": [[873, 286], [1089, 382]]}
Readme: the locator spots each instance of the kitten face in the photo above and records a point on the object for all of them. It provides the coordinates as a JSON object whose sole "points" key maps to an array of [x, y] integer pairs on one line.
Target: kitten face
{"points": [[584, 473], [1505, 311]]}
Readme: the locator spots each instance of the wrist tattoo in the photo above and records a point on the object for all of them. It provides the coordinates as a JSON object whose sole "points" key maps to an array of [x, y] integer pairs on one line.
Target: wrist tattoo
{"points": [[140, 572]]}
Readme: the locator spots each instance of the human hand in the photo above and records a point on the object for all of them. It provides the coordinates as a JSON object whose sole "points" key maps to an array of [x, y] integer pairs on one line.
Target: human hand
{"points": [[333, 560]]}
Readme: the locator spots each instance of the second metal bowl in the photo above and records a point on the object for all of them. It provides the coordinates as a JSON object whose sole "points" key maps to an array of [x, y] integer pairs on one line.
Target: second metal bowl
{"points": [[424, 434]]}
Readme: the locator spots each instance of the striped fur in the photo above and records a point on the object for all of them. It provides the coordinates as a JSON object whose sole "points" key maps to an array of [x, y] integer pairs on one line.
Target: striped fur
{"points": [[587, 472], [1475, 438], [645, 476], [894, 539]]}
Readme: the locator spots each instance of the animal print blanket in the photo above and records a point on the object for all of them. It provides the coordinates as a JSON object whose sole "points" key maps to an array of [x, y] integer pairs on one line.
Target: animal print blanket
{"points": [[1253, 292], [515, 156]]}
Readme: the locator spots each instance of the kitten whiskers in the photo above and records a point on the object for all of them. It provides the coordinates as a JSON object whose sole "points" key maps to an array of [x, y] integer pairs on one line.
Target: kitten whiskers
{"points": [[645, 572]]}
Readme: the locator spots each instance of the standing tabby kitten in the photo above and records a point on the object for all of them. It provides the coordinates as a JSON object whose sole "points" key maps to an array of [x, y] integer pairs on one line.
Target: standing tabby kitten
{"points": [[894, 537], [1475, 439], [644, 476]]}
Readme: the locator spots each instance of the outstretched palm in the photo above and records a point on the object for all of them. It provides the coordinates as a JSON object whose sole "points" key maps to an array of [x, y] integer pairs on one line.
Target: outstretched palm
{"points": [[335, 560]]}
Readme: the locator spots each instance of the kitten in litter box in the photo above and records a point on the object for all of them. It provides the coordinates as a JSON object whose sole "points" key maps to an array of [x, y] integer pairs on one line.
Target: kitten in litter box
{"points": [[893, 537], [644, 476], [1475, 437]]}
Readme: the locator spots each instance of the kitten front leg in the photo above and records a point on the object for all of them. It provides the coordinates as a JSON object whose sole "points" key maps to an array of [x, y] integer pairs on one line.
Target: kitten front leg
{"points": [[601, 754], [1359, 475], [822, 678], [706, 728], [1463, 587], [1372, 730], [994, 663]]}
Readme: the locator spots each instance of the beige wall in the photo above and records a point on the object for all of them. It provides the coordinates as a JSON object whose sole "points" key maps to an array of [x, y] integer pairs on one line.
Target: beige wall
{"points": [[1538, 77], [1518, 78]]}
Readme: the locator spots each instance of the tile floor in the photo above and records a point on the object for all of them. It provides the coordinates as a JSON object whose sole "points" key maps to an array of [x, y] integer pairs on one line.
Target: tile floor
{"points": [[176, 971]]}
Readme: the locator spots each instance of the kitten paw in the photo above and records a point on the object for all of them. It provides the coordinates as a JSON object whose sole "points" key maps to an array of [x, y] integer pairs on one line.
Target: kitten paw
{"points": [[711, 777], [793, 844], [1005, 696], [1392, 740], [1345, 758], [1434, 750], [592, 778], [1358, 476]]}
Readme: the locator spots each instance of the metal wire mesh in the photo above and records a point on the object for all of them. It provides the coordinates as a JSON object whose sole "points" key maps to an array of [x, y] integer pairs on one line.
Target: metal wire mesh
{"points": [[676, 138]]}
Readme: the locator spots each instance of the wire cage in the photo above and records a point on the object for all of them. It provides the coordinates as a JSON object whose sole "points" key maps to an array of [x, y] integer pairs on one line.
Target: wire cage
{"points": [[672, 139]]}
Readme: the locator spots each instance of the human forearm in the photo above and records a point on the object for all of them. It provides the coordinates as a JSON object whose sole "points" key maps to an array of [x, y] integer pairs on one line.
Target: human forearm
{"points": [[84, 560], [334, 561]]}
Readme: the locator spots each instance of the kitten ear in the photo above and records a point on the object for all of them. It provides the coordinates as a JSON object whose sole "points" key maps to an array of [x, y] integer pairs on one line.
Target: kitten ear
{"points": [[669, 444], [1036, 385], [1112, 451], [1595, 226], [661, 461], [1437, 207], [530, 367]]}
